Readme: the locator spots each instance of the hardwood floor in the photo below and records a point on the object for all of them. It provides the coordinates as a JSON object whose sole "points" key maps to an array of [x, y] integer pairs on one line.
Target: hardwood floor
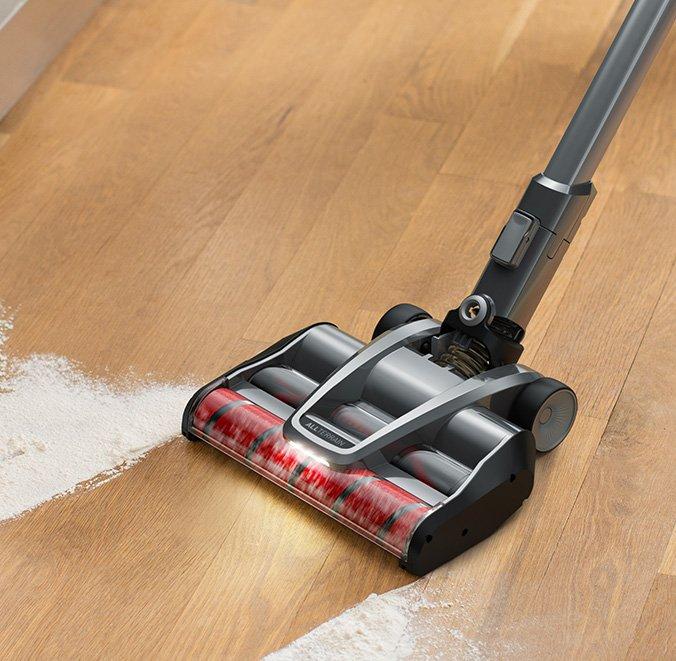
{"points": [[189, 181]]}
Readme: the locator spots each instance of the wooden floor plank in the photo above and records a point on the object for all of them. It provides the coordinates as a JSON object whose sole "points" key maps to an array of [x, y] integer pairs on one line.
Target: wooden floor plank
{"points": [[188, 195], [442, 87], [654, 637], [444, 248], [125, 50], [194, 198], [51, 140], [346, 248], [668, 565], [360, 259], [33, 100], [619, 273], [290, 191], [109, 154], [640, 158], [620, 525], [65, 603], [553, 298], [353, 569], [211, 623], [188, 181]]}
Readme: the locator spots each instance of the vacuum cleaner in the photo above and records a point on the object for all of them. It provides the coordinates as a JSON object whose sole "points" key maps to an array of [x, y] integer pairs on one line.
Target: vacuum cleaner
{"points": [[424, 439]]}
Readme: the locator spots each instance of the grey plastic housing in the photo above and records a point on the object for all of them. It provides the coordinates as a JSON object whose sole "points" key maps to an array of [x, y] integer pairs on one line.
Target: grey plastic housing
{"points": [[390, 398], [483, 466], [517, 288], [311, 423]]}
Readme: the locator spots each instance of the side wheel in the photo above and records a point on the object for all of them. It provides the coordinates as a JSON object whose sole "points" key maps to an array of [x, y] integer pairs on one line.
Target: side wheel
{"points": [[547, 407], [403, 313]]}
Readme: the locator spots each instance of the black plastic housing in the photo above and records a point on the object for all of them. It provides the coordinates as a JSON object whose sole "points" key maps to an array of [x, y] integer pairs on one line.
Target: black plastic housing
{"points": [[479, 510], [516, 292]]}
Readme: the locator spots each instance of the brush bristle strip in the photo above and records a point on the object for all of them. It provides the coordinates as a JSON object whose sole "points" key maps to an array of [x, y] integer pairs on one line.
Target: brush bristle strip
{"points": [[355, 496]]}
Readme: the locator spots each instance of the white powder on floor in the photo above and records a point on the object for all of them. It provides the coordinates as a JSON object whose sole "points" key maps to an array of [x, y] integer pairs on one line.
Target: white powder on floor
{"points": [[411, 622], [377, 628], [60, 428], [6, 325]]}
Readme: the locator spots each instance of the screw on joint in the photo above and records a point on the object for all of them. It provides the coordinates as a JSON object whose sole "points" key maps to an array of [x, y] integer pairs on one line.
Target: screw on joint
{"points": [[475, 309]]}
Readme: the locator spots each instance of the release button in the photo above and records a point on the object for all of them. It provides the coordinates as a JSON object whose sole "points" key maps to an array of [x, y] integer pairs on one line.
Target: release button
{"points": [[514, 240]]}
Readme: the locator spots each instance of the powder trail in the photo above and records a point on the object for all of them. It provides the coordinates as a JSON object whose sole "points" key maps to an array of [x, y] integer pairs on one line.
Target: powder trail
{"points": [[60, 428]]}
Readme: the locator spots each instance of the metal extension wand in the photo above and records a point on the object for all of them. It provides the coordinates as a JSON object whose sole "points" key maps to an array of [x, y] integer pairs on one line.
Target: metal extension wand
{"points": [[538, 233]]}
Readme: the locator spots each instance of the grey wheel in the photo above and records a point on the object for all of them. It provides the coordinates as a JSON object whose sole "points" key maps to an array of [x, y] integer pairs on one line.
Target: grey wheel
{"points": [[548, 408]]}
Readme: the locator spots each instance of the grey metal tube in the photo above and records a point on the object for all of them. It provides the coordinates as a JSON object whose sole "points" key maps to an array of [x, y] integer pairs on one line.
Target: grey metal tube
{"points": [[611, 91]]}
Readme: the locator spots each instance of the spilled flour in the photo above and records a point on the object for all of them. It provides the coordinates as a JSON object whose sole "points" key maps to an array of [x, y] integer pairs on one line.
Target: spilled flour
{"points": [[377, 628], [417, 621], [60, 428], [411, 622]]}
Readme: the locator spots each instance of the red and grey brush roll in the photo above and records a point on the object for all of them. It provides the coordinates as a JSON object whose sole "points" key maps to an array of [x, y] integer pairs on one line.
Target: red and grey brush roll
{"points": [[355, 496], [423, 499]]}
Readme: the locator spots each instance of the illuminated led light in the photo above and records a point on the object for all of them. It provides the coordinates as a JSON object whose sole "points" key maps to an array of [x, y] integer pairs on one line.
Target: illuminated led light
{"points": [[313, 455]]}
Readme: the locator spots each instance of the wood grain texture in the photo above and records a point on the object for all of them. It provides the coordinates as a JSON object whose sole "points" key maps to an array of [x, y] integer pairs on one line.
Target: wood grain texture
{"points": [[32, 33], [442, 87], [126, 50], [189, 181], [668, 565], [655, 631], [619, 527], [292, 188], [628, 168], [359, 229], [611, 280]]}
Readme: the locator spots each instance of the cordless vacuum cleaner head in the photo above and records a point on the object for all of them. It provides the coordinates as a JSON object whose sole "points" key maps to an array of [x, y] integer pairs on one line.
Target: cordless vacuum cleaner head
{"points": [[424, 440]]}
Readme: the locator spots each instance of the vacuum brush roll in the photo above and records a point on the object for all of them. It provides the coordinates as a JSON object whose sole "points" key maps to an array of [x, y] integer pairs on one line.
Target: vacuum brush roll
{"points": [[357, 497]]}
